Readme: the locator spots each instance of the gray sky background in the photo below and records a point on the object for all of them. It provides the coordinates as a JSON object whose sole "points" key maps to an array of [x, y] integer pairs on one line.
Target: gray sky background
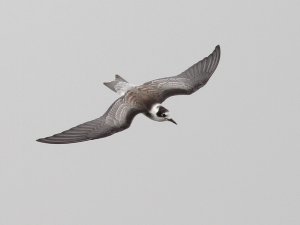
{"points": [[232, 159]]}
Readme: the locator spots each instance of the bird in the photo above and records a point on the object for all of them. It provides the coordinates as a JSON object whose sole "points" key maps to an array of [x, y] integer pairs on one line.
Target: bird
{"points": [[135, 99]]}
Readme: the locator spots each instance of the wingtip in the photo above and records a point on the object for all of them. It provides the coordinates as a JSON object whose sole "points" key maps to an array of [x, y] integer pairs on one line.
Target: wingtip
{"points": [[49, 141], [44, 140], [41, 140], [217, 51]]}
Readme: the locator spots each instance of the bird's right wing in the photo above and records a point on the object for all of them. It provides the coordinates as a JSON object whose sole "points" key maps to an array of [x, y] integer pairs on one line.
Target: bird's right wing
{"points": [[117, 118], [188, 81]]}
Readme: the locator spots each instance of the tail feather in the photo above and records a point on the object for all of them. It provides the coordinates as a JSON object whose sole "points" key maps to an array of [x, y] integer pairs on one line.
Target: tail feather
{"points": [[119, 85], [119, 78], [112, 84]]}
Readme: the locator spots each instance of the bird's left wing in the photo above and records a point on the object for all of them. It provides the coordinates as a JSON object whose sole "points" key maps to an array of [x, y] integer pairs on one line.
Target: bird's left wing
{"points": [[188, 81], [117, 118]]}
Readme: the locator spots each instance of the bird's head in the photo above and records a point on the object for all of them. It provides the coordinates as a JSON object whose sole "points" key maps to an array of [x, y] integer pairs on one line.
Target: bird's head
{"points": [[161, 114]]}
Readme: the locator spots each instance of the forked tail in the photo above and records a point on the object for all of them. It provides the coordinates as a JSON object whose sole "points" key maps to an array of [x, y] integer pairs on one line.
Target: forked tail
{"points": [[119, 85]]}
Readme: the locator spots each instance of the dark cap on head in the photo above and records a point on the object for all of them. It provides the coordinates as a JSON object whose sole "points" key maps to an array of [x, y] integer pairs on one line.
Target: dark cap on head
{"points": [[161, 110]]}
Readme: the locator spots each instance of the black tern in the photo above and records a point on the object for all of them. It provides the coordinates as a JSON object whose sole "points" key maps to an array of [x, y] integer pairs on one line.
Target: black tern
{"points": [[145, 98]]}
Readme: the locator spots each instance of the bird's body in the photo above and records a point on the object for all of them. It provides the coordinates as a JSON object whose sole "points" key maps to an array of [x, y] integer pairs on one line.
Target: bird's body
{"points": [[145, 98]]}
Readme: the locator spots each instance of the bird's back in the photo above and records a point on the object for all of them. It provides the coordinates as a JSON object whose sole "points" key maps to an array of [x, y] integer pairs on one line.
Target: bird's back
{"points": [[144, 95]]}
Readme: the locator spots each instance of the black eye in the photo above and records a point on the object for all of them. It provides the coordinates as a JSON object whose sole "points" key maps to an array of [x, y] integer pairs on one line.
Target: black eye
{"points": [[163, 115]]}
